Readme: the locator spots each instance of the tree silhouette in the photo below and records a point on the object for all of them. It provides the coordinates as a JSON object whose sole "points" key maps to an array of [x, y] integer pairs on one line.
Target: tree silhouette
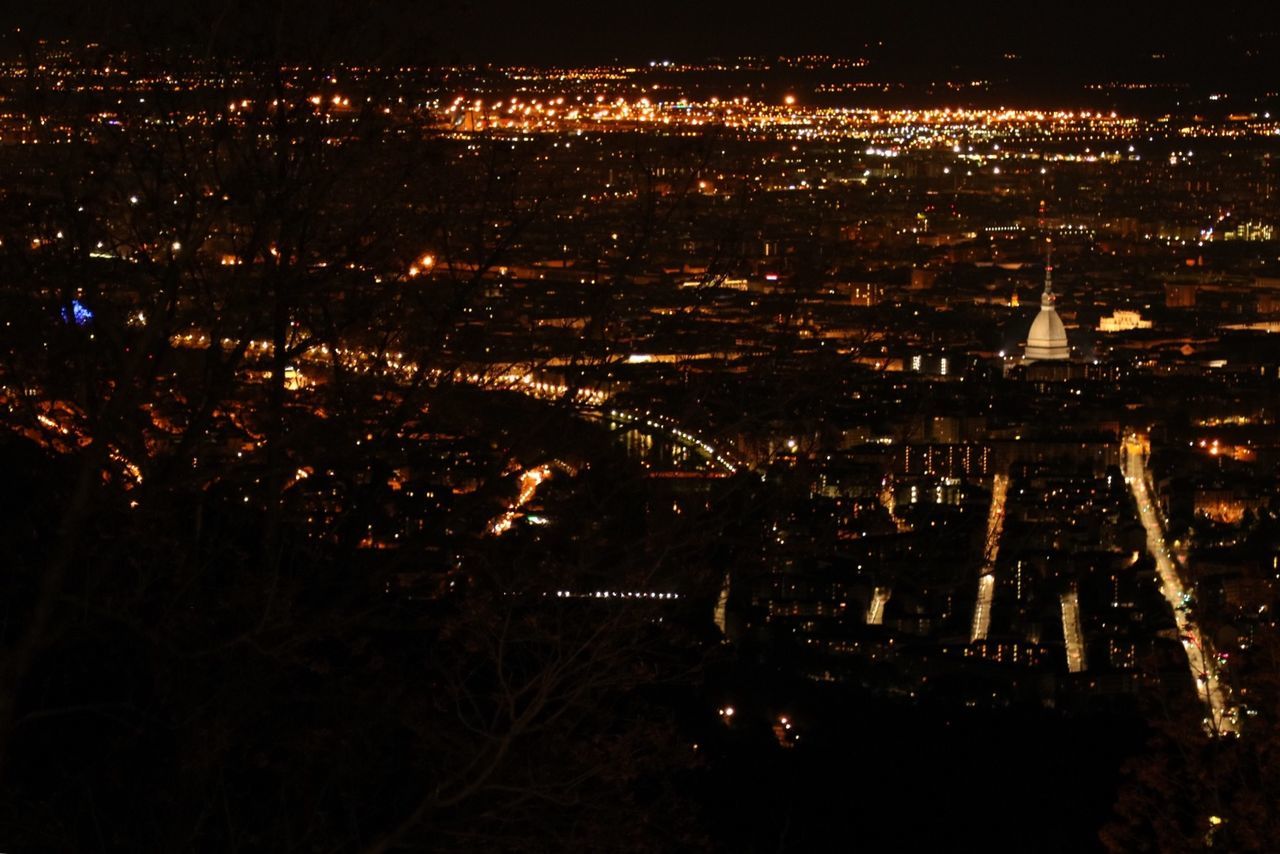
{"points": [[227, 395]]}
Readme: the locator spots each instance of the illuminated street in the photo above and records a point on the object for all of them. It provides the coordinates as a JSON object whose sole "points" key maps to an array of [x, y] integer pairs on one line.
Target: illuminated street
{"points": [[875, 612], [982, 608], [530, 480], [1221, 718], [991, 550], [1071, 631]]}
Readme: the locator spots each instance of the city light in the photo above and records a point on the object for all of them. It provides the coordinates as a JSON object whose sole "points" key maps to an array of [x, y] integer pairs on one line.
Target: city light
{"points": [[497, 421]]}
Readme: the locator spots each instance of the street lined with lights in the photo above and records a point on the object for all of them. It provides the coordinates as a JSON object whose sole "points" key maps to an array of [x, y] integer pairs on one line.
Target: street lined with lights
{"points": [[1222, 718]]}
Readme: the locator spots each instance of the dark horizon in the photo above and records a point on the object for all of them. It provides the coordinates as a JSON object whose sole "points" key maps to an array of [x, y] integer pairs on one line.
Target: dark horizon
{"points": [[1089, 42]]}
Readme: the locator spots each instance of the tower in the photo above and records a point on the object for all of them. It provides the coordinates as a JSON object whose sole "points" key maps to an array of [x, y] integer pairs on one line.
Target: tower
{"points": [[1047, 339]]}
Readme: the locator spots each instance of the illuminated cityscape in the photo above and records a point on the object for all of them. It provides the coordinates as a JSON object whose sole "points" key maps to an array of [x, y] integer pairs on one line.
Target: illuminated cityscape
{"points": [[493, 442]]}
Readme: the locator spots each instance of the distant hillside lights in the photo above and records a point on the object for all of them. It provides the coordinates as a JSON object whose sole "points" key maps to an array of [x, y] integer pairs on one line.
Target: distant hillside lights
{"points": [[1253, 232]]}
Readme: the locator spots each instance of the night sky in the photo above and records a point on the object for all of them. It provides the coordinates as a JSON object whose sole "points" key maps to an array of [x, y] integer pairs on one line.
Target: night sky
{"points": [[1232, 40], [1081, 40], [1082, 30]]}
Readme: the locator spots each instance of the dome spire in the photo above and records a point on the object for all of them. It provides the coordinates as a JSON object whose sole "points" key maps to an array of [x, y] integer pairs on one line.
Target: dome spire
{"points": [[1048, 298]]}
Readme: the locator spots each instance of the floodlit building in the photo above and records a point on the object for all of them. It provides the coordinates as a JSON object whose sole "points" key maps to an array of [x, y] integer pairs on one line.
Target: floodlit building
{"points": [[1123, 321]]}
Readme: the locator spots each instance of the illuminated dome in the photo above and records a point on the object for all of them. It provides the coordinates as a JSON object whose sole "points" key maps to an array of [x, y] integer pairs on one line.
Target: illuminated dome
{"points": [[1047, 339]]}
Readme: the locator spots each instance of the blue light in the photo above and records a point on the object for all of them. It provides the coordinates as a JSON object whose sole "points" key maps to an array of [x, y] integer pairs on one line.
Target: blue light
{"points": [[80, 314]]}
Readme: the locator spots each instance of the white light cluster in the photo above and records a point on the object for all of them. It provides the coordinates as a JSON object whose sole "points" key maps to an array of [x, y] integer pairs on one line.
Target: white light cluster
{"points": [[616, 594]]}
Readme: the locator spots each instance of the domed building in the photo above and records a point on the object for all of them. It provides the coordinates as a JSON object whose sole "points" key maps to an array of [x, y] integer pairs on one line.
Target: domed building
{"points": [[1047, 340]]}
